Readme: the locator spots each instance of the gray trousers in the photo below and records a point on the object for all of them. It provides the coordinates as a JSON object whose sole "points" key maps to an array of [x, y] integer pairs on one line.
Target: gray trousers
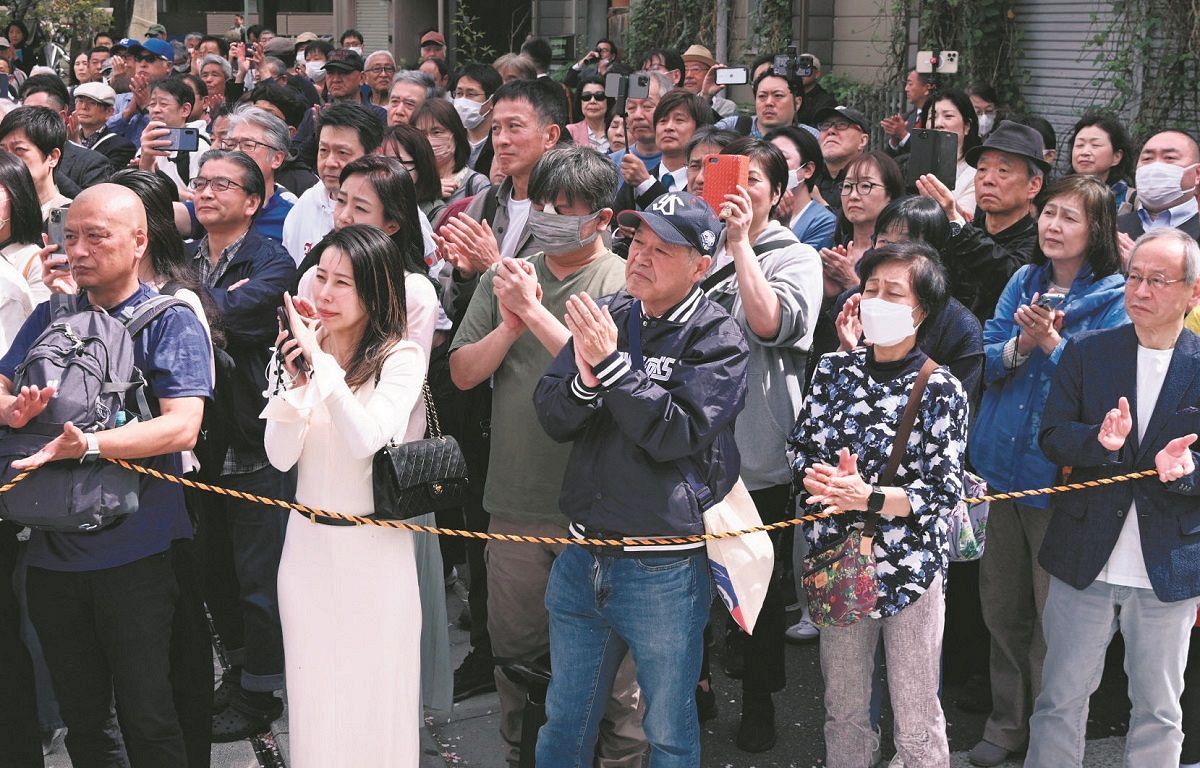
{"points": [[912, 642], [520, 628], [1012, 589], [1079, 625]]}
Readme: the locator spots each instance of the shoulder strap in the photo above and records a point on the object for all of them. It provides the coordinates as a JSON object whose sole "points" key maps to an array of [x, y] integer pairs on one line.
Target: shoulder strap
{"points": [[900, 444], [491, 203], [718, 277], [148, 310], [743, 125], [183, 166], [63, 304]]}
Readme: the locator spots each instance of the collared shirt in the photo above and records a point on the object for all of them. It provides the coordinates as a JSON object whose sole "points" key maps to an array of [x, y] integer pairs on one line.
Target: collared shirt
{"points": [[1172, 217], [310, 219]]}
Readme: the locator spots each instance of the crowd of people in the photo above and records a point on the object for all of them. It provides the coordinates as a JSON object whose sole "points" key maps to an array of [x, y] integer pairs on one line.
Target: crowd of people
{"points": [[352, 247]]}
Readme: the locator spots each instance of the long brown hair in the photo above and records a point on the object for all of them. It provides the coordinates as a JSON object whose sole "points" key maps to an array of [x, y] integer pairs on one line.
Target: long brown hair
{"points": [[379, 282]]}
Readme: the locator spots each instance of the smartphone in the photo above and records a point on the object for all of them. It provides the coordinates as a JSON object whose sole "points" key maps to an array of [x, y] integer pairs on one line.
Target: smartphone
{"points": [[933, 152], [183, 139], [4, 94], [733, 76], [1051, 301], [639, 87], [56, 231], [616, 86], [944, 63], [722, 175], [286, 322]]}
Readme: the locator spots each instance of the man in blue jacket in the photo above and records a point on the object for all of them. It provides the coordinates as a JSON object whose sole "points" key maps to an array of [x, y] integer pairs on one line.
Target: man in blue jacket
{"points": [[245, 275], [647, 388], [1127, 555]]}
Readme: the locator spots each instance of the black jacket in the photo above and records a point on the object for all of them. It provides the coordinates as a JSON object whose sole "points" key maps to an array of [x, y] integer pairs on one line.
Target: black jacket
{"points": [[118, 149], [635, 433], [814, 101], [981, 264], [1131, 224], [82, 167], [248, 318]]}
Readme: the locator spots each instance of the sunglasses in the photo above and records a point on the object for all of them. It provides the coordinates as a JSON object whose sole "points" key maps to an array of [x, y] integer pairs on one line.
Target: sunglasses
{"points": [[592, 96]]}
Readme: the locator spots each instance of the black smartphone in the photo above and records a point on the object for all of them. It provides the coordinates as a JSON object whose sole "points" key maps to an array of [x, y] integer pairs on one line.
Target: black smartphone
{"points": [[285, 321], [933, 152], [4, 94], [183, 139]]}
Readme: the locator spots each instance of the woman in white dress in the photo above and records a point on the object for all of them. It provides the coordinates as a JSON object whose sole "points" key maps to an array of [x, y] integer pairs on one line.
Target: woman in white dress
{"points": [[348, 596]]}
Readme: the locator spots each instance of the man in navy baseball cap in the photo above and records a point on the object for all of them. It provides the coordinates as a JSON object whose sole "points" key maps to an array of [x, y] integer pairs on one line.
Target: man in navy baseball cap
{"points": [[678, 218]]}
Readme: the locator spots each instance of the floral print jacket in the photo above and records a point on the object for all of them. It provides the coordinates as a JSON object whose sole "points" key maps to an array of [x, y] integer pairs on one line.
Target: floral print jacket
{"points": [[846, 408]]}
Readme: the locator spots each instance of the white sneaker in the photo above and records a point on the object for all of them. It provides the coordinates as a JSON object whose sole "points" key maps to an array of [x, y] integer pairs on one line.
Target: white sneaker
{"points": [[803, 631]]}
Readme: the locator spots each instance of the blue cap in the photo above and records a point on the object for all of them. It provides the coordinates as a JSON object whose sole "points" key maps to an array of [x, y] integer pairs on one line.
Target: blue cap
{"points": [[679, 218], [160, 48]]}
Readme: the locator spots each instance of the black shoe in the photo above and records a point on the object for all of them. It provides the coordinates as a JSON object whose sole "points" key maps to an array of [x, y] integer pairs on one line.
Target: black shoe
{"points": [[476, 675], [756, 733], [231, 683], [706, 703], [735, 653], [248, 714]]}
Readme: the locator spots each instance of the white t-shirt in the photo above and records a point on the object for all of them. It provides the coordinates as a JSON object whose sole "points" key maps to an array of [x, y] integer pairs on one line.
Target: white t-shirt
{"points": [[1126, 567], [518, 214], [310, 219]]}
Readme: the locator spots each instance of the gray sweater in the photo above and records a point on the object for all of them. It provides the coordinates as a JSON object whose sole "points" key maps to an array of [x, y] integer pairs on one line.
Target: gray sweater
{"points": [[775, 378]]}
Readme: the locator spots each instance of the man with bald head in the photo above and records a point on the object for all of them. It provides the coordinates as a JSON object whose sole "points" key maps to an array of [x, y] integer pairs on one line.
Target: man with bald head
{"points": [[1167, 187], [103, 602]]}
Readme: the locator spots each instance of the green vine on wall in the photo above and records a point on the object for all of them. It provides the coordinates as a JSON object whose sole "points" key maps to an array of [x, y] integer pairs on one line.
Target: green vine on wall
{"points": [[674, 24], [772, 27], [1150, 57], [984, 32]]}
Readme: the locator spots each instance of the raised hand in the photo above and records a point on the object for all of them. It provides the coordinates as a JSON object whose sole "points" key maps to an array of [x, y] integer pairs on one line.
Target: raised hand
{"points": [[847, 324], [592, 328], [1116, 426], [1175, 459], [71, 444], [27, 404]]}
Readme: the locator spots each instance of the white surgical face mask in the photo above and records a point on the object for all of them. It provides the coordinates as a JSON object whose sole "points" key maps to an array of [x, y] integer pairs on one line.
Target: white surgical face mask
{"points": [[469, 111], [315, 70], [886, 323], [986, 123], [1160, 185], [793, 179], [357, 49]]}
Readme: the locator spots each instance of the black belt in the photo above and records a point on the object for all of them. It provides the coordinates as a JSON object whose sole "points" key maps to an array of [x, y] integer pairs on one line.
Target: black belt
{"points": [[580, 531]]}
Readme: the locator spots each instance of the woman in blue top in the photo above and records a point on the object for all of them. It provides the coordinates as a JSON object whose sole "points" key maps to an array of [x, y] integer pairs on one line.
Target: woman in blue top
{"points": [[1073, 286]]}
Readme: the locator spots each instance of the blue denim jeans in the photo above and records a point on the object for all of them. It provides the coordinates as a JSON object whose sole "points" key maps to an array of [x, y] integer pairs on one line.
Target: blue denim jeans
{"points": [[1079, 623], [601, 606]]}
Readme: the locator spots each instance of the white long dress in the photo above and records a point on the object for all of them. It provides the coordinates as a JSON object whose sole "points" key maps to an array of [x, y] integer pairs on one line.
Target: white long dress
{"points": [[348, 596]]}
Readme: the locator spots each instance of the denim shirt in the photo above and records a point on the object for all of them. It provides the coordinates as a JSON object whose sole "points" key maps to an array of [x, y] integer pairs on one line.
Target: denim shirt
{"points": [[1004, 440]]}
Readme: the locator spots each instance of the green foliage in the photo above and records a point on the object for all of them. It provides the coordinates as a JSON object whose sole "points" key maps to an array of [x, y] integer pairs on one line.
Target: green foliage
{"points": [[468, 38], [1150, 57], [669, 24], [772, 26], [983, 32]]}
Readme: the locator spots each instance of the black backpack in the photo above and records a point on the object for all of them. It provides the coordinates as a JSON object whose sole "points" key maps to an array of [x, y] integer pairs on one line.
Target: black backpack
{"points": [[88, 355]]}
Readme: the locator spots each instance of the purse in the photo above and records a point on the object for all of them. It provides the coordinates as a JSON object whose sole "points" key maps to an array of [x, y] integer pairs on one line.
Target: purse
{"points": [[840, 582], [429, 475], [968, 522]]}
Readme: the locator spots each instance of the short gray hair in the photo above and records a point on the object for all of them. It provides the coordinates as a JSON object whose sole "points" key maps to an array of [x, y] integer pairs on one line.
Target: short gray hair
{"points": [[276, 129], [1033, 170], [373, 54], [417, 77], [220, 61], [580, 173], [1191, 250], [277, 65], [664, 82]]}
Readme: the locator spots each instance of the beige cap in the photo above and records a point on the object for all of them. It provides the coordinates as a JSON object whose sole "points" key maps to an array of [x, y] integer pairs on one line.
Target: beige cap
{"points": [[816, 62], [98, 92], [699, 53], [306, 37]]}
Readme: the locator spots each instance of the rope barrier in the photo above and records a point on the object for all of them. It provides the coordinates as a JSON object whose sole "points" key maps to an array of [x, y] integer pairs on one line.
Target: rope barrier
{"points": [[402, 525]]}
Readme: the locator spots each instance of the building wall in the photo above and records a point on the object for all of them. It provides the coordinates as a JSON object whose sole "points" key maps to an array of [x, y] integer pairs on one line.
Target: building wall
{"points": [[861, 31]]}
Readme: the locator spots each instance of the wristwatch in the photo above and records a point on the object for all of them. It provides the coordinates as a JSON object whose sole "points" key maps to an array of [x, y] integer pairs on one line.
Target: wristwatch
{"points": [[875, 500], [93, 447]]}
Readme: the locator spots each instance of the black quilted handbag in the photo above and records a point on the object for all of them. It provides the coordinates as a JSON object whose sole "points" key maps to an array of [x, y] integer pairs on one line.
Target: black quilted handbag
{"points": [[429, 475]]}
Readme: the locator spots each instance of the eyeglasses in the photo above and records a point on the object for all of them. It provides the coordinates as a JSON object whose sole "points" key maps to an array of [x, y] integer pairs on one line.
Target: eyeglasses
{"points": [[148, 59], [592, 96], [472, 95], [245, 145], [864, 188], [833, 125], [218, 184], [1156, 282], [382, 70]]}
